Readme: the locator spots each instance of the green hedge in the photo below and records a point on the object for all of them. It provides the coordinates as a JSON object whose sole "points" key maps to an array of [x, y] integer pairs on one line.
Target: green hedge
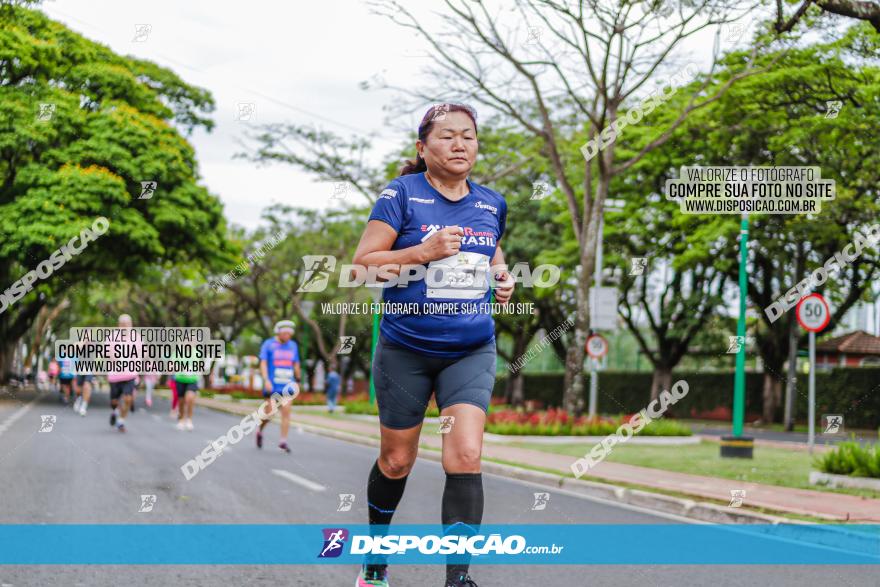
{"points": [[850, 458], [855, 393]]}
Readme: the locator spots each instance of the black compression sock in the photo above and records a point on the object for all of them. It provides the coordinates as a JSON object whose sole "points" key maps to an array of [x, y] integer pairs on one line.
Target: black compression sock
{"points": [[383, 495], [462, 506]]}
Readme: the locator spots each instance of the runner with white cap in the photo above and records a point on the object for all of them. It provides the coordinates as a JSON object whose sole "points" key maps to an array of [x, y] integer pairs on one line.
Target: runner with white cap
{"points": [[280, 368]]}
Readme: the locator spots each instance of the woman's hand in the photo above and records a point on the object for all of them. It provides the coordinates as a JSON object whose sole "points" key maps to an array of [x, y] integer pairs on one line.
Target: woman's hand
{"points": [[445, 243], [504, 283]]}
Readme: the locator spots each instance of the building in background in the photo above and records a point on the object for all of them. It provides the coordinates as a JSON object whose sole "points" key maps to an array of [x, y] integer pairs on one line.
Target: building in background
{"points": [[855, 349]]}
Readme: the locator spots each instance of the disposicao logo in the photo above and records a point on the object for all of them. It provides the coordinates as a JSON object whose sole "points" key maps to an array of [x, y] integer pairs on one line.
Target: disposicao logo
{"points": [[334, 541]]}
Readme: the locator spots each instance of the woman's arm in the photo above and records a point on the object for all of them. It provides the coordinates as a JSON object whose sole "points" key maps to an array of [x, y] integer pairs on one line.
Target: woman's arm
{"points": [[374, 250], [503, 281]]}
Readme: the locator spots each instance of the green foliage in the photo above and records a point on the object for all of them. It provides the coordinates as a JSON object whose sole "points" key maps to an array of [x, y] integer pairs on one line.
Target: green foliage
{"points": [[117, 121], [373, 409], [851, 458]]}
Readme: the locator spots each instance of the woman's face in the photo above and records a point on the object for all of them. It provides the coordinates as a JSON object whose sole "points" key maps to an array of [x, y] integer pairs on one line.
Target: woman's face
{"points": [[451, 146]]}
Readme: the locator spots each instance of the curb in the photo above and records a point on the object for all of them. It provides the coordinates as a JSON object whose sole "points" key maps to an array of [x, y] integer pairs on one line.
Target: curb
{"points": [[687, 508], [587, 440], [832, 480]]}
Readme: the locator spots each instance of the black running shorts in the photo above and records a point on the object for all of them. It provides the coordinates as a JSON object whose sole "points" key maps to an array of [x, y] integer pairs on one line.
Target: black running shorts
{"points": [[119, 388], [405, 379]]}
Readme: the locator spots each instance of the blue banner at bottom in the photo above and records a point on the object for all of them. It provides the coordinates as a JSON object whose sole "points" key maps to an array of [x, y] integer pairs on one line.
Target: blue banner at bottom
{"points": [[569, 544]]}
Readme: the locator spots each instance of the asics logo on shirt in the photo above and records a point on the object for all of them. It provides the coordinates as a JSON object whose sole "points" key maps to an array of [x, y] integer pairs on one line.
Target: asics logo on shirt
{"points": [[388, 194]]}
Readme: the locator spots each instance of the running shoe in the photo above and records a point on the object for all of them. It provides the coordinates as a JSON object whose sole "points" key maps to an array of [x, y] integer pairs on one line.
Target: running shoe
{"points": [[465, 581], [283, 446], [82, 410], [149, 402], [372, 576], [121, 427], [77, 403], [259, 439], [181, 425], [189, 424], [113, 418]]}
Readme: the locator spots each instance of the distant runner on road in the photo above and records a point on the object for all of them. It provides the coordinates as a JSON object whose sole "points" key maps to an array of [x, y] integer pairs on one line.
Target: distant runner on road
{"points": [[66, 376], [280, 368], [122, 385]]}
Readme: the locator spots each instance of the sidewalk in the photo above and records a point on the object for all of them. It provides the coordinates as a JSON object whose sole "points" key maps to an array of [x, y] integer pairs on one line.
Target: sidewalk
{"points": [[831, 506]]}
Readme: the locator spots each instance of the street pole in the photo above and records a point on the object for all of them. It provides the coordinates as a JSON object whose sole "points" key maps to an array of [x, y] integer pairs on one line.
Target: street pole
{"points": [[738, 445], [377, 297], [594, 375], [811, 426], [307, 310]]}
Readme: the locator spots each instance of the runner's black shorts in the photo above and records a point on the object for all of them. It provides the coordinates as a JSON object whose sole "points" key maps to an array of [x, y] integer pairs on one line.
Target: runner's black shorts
{"points": [[118, 388], [405, 379], [80, 379], [65, 382], [182, 388]]}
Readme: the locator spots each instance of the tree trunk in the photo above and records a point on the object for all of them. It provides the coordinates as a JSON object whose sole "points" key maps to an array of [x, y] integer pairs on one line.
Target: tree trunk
{"points": [[513, 389], [573, 398], [518, 392], [661, 381], [791, 380], [772, 395], [793, 335], [7, 351]]}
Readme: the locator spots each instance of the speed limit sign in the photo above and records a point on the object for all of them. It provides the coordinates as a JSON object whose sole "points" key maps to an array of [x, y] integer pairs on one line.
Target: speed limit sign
{"points": [[597, 346], [813, 313]]}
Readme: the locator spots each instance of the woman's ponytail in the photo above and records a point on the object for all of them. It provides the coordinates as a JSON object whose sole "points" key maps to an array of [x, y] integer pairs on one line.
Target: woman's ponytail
{"points": [[417, 166]]}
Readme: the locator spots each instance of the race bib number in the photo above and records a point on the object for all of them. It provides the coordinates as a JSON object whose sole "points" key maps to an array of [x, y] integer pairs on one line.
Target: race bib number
{"points": [[282, 375], [464, 276]]}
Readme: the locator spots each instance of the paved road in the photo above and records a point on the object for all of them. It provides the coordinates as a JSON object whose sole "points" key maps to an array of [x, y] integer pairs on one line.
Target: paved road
{"points": [[85, 472]]}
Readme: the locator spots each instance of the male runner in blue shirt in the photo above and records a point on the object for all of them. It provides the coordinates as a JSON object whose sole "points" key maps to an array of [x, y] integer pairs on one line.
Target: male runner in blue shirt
{"points": [[280, 368]]}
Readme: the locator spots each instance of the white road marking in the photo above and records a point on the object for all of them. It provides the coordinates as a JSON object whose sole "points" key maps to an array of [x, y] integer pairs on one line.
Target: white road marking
{"points": [[299, 480], [8, 422]]}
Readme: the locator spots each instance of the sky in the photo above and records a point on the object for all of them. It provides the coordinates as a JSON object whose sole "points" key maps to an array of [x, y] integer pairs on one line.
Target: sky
{"points": [[298, 62]]}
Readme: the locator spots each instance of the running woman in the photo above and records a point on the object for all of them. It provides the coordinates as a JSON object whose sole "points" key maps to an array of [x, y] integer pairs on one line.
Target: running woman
{"points": [[53, 374], [66, 375], [187, 386], [332, 387], [432, 215], [83, 388], [279, 366], [150, 381], [172, 385], [122, 384]]}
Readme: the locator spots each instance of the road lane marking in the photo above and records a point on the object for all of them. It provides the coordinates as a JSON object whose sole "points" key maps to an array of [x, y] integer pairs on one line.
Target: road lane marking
{"points": [[8, 422], [299, 480]]}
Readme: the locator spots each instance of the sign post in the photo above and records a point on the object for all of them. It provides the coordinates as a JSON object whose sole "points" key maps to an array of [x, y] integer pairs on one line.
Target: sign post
{"points": [[596, 347], [737, 445], [813, 314], [377, 316]]}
